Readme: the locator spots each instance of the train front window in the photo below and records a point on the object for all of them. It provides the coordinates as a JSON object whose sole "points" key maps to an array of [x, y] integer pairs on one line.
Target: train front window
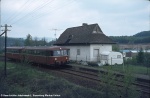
{"points": [[56, 53], [60, 53], [65, 53]]}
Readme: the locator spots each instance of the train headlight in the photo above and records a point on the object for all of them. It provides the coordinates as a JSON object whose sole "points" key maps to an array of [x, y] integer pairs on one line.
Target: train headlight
{"points": [[55, 59]]}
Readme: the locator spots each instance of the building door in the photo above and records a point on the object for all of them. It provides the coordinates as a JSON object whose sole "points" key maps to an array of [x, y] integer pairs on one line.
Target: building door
{"points": [[96, 54]]}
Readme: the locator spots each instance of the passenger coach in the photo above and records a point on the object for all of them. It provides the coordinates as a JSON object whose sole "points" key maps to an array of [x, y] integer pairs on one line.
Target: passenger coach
{"points": [[54, 55]]}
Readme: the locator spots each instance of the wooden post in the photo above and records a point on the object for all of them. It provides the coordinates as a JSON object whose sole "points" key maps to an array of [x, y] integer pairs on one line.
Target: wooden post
{"points": [[5, 32]]}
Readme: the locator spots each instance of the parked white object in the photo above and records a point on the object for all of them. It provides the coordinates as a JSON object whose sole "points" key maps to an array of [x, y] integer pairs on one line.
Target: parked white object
{"points": [[111, 58]]}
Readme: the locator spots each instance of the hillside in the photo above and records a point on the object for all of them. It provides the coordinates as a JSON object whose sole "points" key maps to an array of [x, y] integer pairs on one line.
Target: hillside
{"points": [[142, 34], [139, 38], [11, 41]]}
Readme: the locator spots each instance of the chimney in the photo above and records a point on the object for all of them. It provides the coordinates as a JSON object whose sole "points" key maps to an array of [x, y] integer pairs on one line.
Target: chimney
{"points": [[84, 24]]}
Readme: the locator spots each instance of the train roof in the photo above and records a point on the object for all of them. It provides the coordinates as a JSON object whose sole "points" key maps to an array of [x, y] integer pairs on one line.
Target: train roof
{"points": [[39, 48], [15, 48]]}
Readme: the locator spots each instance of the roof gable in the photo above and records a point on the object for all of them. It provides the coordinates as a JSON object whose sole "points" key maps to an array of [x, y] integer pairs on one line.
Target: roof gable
{"points": [[97, 29], [85, 34]]}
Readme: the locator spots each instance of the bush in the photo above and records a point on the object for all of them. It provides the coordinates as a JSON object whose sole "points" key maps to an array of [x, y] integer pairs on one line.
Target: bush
{"points": [[110, 89], [92, 64], [23, 79]]}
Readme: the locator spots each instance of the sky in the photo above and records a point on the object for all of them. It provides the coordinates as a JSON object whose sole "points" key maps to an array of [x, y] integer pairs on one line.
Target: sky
{"points": [[42, 18]]}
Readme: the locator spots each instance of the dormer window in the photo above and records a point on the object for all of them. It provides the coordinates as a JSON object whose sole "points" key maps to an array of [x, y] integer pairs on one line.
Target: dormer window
{"points": [[97, 30], [94, 31]]}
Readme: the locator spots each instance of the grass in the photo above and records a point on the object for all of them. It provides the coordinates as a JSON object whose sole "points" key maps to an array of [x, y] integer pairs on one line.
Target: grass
{"points": [[135, 69], [26, 80]]}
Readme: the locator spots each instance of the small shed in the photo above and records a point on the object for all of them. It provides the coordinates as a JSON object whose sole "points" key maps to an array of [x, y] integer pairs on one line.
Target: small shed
{"points": [[111, 58]]}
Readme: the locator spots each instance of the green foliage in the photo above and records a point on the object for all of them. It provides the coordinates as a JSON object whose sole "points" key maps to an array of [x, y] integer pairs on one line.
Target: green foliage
{"points": [[147, 59], [132, 61], [110, 82], [28, 40], [11, 42], [142, 59], [17, 43], [142, 34], [142, 37], [35, 42], [140, 56], [41, 42], [115, 48], [23, 79], [128, 90]]}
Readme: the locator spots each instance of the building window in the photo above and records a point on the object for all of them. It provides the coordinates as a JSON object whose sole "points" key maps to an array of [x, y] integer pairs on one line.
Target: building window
{"points": [[96, 52], [78, 51], [118, 56]]}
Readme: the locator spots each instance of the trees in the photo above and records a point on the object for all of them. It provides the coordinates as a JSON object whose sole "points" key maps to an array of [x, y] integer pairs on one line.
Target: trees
{"points": [[143, 58], [141, 37], [147, 59], [35, 42], [115, 48], [140, 57], [28, 40]]}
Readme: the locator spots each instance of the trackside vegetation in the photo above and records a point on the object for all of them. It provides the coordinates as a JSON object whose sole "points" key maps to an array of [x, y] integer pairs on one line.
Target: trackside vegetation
{"points": [[112, 85], [27, 80], [133, 68], [23, 79]]}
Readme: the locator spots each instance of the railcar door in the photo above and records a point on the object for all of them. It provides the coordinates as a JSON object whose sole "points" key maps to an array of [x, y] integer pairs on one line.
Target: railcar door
{"points": [[50, 60]]}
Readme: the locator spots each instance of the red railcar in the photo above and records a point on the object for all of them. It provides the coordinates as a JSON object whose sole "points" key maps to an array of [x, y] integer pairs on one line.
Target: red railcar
{"points": [[55, 55]]}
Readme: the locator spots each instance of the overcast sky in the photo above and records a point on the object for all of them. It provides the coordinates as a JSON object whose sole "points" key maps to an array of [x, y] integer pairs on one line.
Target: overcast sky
{"points": [[40, 17]]}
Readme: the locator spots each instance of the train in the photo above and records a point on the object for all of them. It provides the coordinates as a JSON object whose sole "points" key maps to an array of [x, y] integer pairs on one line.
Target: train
{"points": [[48, 55]]}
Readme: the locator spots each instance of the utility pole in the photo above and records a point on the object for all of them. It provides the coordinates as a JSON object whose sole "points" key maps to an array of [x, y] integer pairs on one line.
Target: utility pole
{"points": [[55, 32], [0, 15], [0, 26], [5, 32]]}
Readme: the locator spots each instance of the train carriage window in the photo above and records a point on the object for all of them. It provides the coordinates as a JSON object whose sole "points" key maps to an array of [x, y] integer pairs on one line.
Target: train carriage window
{"points": [[43, 53], [23, 51], [40, 52], [49, 53], [37, 52], [9, 50], [56, 53], [19, 51], [29, 51], [15, 51], [34, 52]]}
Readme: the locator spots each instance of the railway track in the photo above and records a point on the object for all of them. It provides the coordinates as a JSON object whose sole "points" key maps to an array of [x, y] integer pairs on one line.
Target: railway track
{"points": [[141, 86], [92, 76]]}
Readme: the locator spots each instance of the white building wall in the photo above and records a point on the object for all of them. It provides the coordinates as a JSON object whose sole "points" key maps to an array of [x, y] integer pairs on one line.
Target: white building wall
{"points": [[84, 53], [101, 48], [87, 52]]}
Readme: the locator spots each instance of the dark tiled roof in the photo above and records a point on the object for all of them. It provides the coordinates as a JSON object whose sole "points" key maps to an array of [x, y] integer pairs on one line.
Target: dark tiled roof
{"points": [[83, 35]]}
